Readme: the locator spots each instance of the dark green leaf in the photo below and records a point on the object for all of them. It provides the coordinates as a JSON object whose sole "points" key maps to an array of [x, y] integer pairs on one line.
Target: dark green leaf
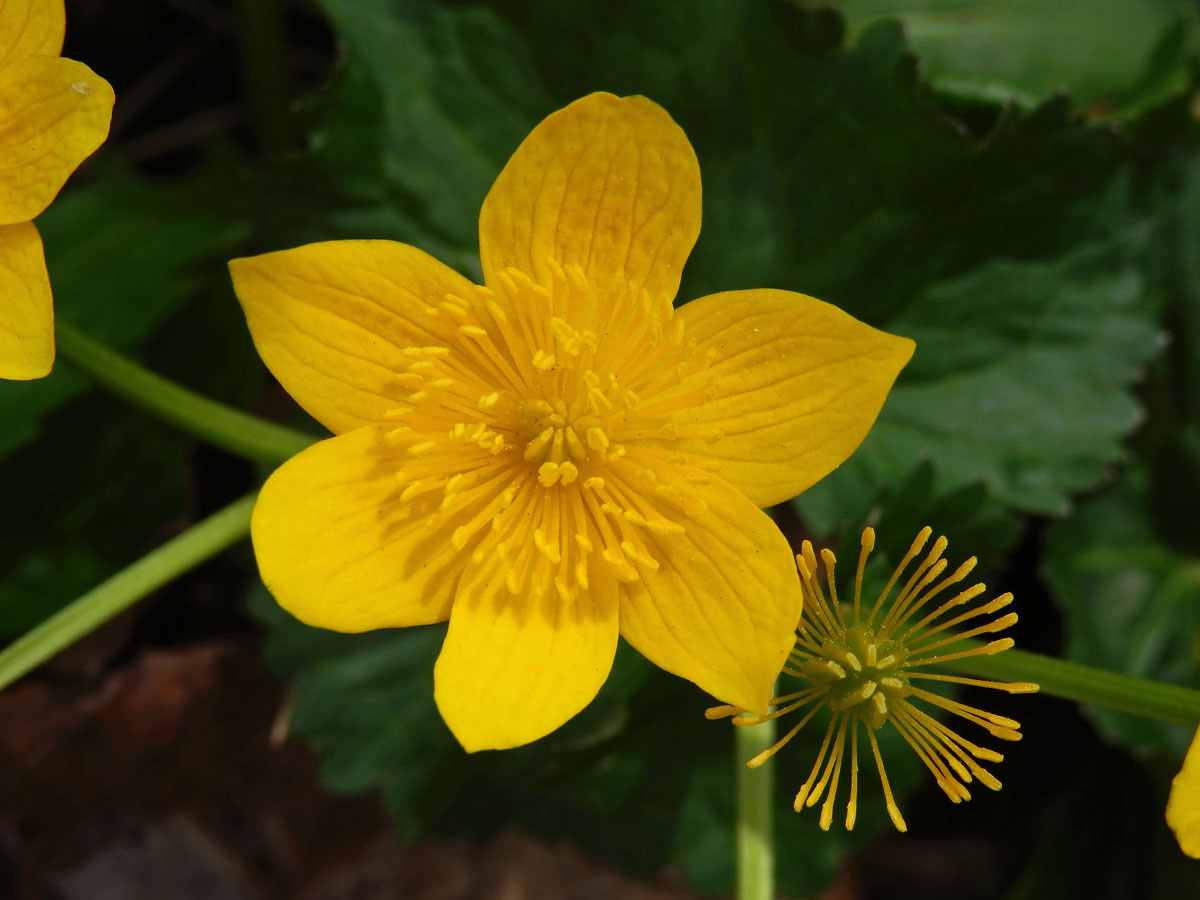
{"points": [[122, 254], [1133, 604]]}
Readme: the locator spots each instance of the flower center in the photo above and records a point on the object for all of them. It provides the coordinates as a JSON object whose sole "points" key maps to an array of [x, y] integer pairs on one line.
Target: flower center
{"points": [[563, 439], [856, 669]]}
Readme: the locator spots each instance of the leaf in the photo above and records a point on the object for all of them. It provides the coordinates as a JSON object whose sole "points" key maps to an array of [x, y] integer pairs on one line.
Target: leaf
{"points": [[1133, 604], [1114, 56], [122, 254], [1088, 825], [1033, 404], [972, 523], [77, 507]]}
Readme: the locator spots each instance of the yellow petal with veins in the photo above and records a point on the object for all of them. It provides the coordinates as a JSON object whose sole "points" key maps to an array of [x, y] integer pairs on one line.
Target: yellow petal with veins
{"points": [[332, 321], [722, 604], [30, 28], [26, 312], [53, 114], [514, 668], [609, 184], [797, 384], [1183, 803], [339, 548]]}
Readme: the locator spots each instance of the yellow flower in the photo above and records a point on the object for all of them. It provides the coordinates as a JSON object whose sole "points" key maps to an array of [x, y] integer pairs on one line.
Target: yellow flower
{"points": [[1183, 803], [53, 114], [863, 667], [557, 457]]}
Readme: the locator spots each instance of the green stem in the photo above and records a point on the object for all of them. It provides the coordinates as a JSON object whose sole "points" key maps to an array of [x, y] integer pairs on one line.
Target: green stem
{"points": [[262, 40], [235, 431], [152, 571], [1099, 687], [755, 835]]}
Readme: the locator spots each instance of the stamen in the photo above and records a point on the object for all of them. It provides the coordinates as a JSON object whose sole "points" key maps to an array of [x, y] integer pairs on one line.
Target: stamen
{"points": [[864, 675]]}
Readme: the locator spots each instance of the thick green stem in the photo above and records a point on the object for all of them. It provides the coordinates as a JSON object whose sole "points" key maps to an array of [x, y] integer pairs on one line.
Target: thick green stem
{"points": [[235, 431], [200, 542], [1100, 687], [755, 835]]}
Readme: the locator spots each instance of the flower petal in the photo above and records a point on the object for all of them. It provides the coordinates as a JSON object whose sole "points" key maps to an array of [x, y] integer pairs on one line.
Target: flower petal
{"points": [[338, 548], [1183, 803], [610, 184], [31, 28], [722, 607], [331, 321], [513, 669], [26, 310], [53, 114], [798, 384]]}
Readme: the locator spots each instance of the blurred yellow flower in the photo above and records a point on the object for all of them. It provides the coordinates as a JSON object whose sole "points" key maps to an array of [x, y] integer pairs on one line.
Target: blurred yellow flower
{"points": [[863, 668], [557, 457], [1183, 803], [53, 114]]}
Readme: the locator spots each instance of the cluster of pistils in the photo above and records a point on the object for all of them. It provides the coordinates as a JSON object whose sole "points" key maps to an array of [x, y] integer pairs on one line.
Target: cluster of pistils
{"points": [[864, 666], [542, 423]]}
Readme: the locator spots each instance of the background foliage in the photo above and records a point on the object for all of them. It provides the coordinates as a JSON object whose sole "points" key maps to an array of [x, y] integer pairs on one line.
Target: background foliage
{"points": [[1015, 185]]}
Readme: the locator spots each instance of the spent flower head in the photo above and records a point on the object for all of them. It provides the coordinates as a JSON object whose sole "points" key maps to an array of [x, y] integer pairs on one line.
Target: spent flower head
{"points": [[866, 666], [557, 456], [53, 114]]}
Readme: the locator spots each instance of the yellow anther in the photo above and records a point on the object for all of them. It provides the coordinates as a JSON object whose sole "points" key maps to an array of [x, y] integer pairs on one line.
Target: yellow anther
{"points": [[639, 556], [547, 549], [574, 445], [599, 403], [497, 313], [537, 446], [543, 360], [423, 447], [567, 472], [597, 439], [487, 401], [473, 331], [416, 487]]}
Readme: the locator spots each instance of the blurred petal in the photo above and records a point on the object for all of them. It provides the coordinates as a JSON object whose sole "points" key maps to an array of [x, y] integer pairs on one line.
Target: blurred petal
{"points": [[26, 310], [722, 607], [514, 668], [331, 321], [339, 549], [1183, 803], [30, 28], [53, 114], [798, 384], [609, 184]]}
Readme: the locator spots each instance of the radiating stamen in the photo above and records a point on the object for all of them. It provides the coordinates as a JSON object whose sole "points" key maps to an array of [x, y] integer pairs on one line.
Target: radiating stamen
{"points": [[863, 674]]}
